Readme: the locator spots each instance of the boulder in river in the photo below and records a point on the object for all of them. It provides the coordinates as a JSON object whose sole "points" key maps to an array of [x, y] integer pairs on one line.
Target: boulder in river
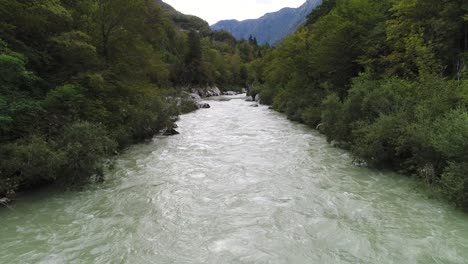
{"points": [[170, 132], [230, 93], [195, 96], [5, 201], [203, 105], [204, 92], [254, 105], [249, 99], [213, 92], [258, 98]]}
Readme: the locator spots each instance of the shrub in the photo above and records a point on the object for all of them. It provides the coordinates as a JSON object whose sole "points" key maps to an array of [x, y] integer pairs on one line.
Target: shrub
{"points": [[454, 183], [29, 162], [85, 146]]}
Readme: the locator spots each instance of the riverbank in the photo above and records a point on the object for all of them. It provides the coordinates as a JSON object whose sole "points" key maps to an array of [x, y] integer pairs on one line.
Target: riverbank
{"points": [[176, 103], [86, 148]]}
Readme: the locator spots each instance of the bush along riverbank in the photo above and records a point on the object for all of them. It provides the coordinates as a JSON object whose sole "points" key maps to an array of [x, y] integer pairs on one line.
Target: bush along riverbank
{"points": [[81, 80], [387, 80]]}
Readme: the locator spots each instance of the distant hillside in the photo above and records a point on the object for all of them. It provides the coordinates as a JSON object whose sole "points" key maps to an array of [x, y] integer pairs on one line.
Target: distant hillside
{"points": [[272, 27], [186, 22]]}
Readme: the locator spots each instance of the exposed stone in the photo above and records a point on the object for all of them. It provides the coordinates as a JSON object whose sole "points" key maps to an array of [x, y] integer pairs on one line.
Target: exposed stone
{"points": [[205, 92], [5, 201], [258, 98], [170, 132], [203, 105], [195, 96]]}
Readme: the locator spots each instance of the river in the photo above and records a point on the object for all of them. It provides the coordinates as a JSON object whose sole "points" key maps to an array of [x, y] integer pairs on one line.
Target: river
{"points": [[240, 184]]}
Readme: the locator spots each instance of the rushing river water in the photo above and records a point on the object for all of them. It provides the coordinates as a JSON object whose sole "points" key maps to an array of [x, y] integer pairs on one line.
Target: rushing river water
{"points": [[238, 185]]}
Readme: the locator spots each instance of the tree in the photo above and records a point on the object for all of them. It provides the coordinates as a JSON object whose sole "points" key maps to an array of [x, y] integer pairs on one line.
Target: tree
{"points": [[113, 15]]}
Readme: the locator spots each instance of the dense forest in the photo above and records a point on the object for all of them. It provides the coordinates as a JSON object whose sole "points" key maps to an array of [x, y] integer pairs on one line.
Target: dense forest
{"points": [[80, 80], [386, 79]]}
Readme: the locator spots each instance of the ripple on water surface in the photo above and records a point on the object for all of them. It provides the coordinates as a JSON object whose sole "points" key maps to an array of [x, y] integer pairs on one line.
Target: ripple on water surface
{"points": [[238, 185]]}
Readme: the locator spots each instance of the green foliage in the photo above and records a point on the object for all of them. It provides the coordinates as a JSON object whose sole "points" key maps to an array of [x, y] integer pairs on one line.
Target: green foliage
{"points": [[450, 138], [426, 36], [187, 105], [28, 162], [73, 53], [84, 145], [451, 134], [378, 141], [64, 104], [454, 183], [333, 114]]}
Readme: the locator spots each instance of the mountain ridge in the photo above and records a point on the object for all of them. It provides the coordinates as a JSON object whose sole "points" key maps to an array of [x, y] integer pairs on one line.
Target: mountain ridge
{"points": [[271, 27]]}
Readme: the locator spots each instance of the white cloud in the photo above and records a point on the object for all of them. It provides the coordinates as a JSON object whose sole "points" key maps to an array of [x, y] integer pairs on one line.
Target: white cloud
{"points": [[215, 10]]}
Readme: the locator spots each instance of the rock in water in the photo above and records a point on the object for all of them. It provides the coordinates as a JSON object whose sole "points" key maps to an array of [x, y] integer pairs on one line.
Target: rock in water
{"points": [[5, 201], [254, 105], [203, 105], [170, 132], [195, 96], [249, 99], [258, 98]]}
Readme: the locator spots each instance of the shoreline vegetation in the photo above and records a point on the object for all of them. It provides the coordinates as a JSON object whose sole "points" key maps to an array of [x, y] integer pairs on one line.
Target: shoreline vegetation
{"points": [[386, 80], [82, 80]]}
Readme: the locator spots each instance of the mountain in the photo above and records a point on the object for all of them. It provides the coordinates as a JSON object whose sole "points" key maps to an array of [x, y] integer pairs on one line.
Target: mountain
{"points": [[272, 27]]}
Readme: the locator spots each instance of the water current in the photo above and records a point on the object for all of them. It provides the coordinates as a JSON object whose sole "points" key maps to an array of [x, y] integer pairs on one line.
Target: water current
{"points": [[240, 184]]}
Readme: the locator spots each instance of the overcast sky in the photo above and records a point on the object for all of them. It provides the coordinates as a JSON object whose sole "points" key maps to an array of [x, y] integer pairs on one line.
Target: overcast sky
{"points": [[215, 10]]}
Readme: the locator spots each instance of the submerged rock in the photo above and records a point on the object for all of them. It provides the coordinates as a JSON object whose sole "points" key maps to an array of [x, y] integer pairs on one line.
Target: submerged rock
{"points": [[254, 105]]}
